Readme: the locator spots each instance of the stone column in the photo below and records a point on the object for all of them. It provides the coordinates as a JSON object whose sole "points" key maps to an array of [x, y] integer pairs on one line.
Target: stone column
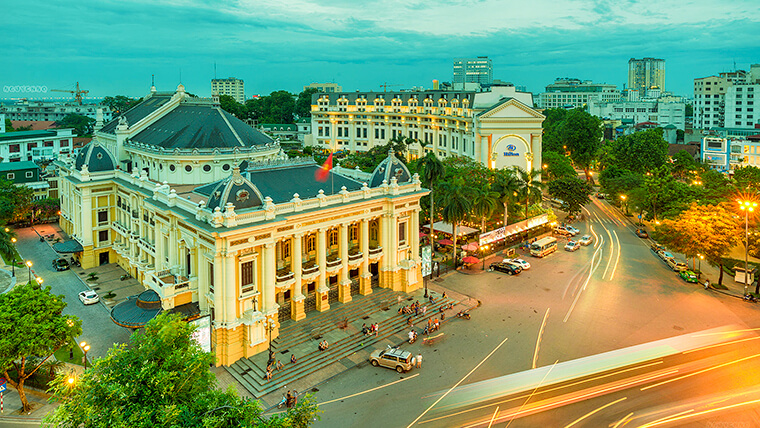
{"points": [[160, 250], [392, 252], [88, 255], [268, 268], [231, 286], [344, 289], [323, 302], [219, 288], [413, 234], [173, 244], [202, 280], [365, 280], [384, 233], [297, 302]]}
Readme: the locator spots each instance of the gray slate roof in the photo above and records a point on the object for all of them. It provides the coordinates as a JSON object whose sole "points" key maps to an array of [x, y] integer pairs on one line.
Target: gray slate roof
{"points": [[96, 157], [191, 126], [388, 168], [138, 112]]}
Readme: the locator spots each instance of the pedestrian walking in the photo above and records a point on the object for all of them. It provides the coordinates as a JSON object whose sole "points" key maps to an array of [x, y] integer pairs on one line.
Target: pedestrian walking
{"points": [[424, 309], [377, 328], [419, 360], [295, 398], [289, 400], [399, 299]]}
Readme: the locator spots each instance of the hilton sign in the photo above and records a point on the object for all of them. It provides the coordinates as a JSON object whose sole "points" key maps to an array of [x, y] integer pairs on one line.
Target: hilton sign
{"points": [[511, 151]]}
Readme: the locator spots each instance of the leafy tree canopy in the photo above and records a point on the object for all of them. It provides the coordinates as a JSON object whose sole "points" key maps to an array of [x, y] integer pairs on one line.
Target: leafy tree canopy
{"points": [[552, 140], [120, 103], [683, 165], [557, 166], [573, 191], [15, 201], [82, 124], [32, 324], [161, 380], [641, 151], [581, 133], [228, 104], [303, 103], [747, 179]]}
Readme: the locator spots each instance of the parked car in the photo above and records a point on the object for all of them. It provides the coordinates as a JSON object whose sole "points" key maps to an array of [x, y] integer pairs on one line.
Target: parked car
{"points": [[676, 265], [561, 230], [89, 297], [506, 267], [665, 255], [519, 262], [688, 276], [600, 195], [392, 358], [641, 233], [572, 245], [572, 230], [60, 264], [586, 240], [656, 247]]}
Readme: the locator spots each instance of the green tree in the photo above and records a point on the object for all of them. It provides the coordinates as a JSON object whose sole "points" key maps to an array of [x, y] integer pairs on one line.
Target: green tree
{"points": [[15, 201], [747, 179], [8, 125], [506, 184], [683, 165], [82, 124], [529, 187], [160, 380], [277, 107], [457, 203], [582, 134], [711, 230], [32, 323], [484, 203], [303, 103], [615, 181], [689, 110], [642, 151], [228, 104], [120, 103], [431, 170], [552, 140], [557, 166], [573, 191]]}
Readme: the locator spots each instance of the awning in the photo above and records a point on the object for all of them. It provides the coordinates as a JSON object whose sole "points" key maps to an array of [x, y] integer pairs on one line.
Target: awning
{"points": [[136, 311], [188, 311], [72, 246], [441, 226]]}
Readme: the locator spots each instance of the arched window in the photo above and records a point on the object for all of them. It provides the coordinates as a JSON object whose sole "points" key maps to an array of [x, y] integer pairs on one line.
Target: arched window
{"points": [[332, 237], [373, 230], [311, 243]]}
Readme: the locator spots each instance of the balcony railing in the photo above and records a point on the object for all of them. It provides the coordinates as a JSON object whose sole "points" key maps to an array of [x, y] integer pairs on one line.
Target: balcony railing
{"points": [[375, 251], [284, 276], [333, 263], [356, 256], [307, 269], [166, 278]]}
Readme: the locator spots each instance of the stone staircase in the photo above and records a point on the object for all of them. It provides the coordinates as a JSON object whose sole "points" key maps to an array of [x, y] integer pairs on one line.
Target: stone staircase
{"points": [[341, 327]]}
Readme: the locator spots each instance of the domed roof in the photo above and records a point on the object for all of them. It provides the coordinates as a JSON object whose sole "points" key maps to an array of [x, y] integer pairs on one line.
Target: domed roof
{"points": [[96, 157], [236, 189], [390, 167]]}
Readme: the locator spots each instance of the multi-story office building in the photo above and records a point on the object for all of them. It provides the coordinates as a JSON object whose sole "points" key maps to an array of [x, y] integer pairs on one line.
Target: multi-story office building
{"points": [[728, 154], [499, 128], [35, 145], [710, 104], [51, 111], [473, 70], [646, 73], [572, 93], [643, 110], [210, 217], [742, 106], [230, 86], [325, 87], [25, 174]]}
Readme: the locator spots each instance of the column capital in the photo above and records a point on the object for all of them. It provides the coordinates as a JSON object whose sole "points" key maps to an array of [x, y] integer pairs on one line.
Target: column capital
{"points": [[298, 235], [268, 245]]}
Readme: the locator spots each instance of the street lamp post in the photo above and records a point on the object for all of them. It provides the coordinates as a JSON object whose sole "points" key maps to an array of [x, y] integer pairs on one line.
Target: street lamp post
{"points": [[270, 327], [13, 262], [699, 273], [623, 198], [85, 348], [747, 207], [483, 251], [29, 266]]}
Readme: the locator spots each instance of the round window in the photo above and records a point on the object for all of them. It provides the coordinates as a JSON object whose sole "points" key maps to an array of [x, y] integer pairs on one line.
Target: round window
{"points": [[206, 168], [226, 167], [188, 168], [172, 168]]}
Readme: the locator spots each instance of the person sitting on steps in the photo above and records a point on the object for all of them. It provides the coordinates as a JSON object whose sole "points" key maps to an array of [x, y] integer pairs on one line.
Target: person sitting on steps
{"points": [[323, 345]]}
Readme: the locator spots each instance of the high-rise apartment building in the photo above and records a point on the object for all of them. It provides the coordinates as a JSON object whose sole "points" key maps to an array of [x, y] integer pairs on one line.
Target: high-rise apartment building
{"points": [[230, 86], [325, 87], [646, 73], [473, 70], [727, 100], [571, 93]]}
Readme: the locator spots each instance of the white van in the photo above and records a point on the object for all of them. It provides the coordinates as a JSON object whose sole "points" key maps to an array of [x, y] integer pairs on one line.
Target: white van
{"points": [[676, 265]]}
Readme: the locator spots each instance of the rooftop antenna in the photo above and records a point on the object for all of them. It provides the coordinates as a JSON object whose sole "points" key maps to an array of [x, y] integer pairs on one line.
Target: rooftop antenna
{"points": [[214, 69], [180, 75], [152, 80]]}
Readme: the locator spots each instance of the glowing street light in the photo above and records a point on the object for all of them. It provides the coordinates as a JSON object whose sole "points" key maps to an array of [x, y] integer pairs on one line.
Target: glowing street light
{"points": [[623, 198], [699, 273], [29, 266], [13, 262], [748, 207], [85, 348]]}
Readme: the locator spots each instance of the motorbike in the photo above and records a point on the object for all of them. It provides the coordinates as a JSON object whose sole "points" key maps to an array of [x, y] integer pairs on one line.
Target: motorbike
{"points": [[125, 277], [750, 298], [463, 314], [282, 402], [413, 338]]}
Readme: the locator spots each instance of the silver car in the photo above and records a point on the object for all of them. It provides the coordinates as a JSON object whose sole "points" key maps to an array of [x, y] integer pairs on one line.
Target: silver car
{"points": [[392, 358], [519, 262]]}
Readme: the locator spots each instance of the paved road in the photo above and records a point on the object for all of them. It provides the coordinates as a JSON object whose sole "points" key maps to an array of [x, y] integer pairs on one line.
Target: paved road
{"points": [[97, 328], [601, 298]]}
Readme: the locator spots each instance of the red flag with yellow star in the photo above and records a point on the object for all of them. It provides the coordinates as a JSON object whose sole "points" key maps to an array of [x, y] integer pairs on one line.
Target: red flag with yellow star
{"points": [[322, 173]]}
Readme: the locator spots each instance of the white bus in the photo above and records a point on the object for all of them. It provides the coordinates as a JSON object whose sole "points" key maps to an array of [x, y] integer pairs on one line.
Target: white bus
{"points": [[543, 247]]}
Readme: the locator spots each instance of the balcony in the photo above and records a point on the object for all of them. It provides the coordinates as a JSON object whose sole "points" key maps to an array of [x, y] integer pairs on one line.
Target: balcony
{"points": [[284, 274], [333, 262], [309, 268], [375, 252], [165, 278], [355, 257]]}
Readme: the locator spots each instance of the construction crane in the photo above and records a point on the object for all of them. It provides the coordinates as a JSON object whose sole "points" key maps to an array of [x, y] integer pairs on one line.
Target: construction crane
{"points": [[77, 94], [385, 86]]}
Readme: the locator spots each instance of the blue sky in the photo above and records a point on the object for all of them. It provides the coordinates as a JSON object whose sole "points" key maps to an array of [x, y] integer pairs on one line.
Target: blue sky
{"points": [[113, 47]]}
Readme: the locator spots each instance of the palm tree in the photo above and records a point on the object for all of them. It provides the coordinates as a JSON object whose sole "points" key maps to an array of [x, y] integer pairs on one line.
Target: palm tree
{"points": [[6, 244], [432, 170], [484, 204], [529, 187], [457, 204], [506, 185]]}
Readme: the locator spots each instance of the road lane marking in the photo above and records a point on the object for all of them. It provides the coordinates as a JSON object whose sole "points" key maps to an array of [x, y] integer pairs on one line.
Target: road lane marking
{"points": [[531, 394], [578, 295], [617, 259], [681, 416], [369, 390], [458, 383], [495, 412], [538, 339], [594, 411], [720, 344], [699, 372], [618, 424]]}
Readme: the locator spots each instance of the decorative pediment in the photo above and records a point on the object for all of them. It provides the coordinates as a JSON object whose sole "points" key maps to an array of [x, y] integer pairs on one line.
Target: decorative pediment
{"points": [[510, 108]]}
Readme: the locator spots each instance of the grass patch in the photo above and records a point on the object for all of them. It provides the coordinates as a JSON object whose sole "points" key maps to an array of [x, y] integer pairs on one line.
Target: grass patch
{"points": [[718, 286], [16, 256], [63, 355]]}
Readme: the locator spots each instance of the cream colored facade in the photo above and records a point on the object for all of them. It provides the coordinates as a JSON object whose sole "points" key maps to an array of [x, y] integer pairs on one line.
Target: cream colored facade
{"points": [[248, 268], [478, 125]]}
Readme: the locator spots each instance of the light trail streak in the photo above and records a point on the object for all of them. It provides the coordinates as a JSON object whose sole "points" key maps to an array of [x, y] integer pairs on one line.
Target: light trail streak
{"points": [[721, 344], [369, 390], [666, 419], [495, 412], [594, 411], [727, 332], [564, 386], [458, 383], [596, 237], [532, 392], [622, 421], [680, 416], [612, 246], [700, 372], [538, 340], [617, 259]]}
